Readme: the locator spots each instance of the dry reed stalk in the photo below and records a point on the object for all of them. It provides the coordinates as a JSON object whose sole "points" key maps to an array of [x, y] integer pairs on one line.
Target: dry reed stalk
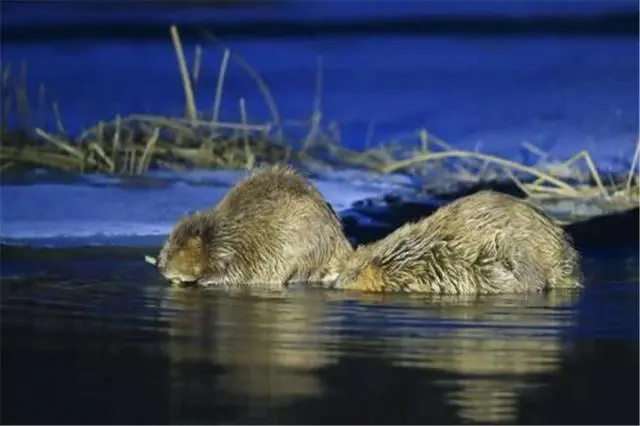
{"points": [[564, 164], [424, 149], [56, 114], [534, 149], [316, 110], [178, 124], [184, 72], [634, 164], [390, 168], [262, 86], [115, 142], [42, 101], [245, 136], [6, 110], [584, 154], [132, 162], [37, 156], [100, 132], [219, 88], [368, 138], [100, 151], [60, 144], [232, 126], [197, 64], [145, 160], [22, 99]]}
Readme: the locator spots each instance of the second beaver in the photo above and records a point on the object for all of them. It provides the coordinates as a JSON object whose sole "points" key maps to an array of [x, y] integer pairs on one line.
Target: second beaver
{"points": [[482, 243], [272, 228]]}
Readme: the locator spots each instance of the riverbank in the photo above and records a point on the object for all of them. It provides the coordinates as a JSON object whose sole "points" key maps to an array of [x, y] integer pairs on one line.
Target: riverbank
{"points": [[490, 94], [137, 143]]}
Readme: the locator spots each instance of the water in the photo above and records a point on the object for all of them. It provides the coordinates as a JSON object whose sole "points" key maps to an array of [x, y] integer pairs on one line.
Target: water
{"points": [[94, 336]]}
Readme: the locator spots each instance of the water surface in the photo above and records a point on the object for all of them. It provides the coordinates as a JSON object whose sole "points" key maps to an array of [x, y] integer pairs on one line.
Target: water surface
{"points": [[95, 336]]}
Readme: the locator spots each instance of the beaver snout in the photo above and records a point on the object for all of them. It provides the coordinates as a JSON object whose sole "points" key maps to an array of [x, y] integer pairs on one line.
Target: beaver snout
{"points": [[173, 275]]}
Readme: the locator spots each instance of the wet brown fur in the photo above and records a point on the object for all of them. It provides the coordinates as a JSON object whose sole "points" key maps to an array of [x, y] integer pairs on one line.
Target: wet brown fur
{"points": [[272, 228], [482, 243]]}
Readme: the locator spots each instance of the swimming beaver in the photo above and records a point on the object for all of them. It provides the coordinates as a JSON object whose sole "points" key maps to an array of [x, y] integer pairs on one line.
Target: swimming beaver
{"points": [[482, 243], [272, 228]]}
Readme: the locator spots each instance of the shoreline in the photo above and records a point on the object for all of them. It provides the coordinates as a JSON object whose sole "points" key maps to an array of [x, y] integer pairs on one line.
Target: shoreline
{"points": [[365, 217]]}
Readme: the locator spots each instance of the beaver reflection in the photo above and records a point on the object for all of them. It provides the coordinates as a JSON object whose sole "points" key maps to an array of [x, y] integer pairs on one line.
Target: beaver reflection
{"points": [[487, 347], [263, 347], [255, 358]]}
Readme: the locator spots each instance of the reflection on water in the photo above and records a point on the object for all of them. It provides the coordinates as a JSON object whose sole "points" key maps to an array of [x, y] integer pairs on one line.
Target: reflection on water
{"points": [[108, 342], [268, 347]]}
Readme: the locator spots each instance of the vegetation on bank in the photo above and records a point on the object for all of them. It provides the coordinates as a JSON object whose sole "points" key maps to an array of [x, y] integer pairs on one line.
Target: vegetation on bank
{"points": [[134, 144]]}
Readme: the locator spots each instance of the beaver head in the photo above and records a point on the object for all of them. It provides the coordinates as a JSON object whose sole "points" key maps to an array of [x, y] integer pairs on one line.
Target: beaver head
{"points": [[394, 263], [195, 251], [361, 272]]}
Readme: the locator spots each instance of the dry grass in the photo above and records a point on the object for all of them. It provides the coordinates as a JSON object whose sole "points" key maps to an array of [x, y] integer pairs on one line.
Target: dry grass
{"points": [[137, 143]]}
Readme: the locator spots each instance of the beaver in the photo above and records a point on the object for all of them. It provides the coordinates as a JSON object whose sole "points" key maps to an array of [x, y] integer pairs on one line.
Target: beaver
{"points": [[271, 229], [483, 243]]}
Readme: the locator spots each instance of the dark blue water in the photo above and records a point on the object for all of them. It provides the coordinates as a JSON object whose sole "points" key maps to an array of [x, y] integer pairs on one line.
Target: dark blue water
{"points": [[94, 336]]}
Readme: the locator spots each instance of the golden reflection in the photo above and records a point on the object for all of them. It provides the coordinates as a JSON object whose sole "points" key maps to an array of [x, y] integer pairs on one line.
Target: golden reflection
{"points": [[268, 344], [489, 345]]}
